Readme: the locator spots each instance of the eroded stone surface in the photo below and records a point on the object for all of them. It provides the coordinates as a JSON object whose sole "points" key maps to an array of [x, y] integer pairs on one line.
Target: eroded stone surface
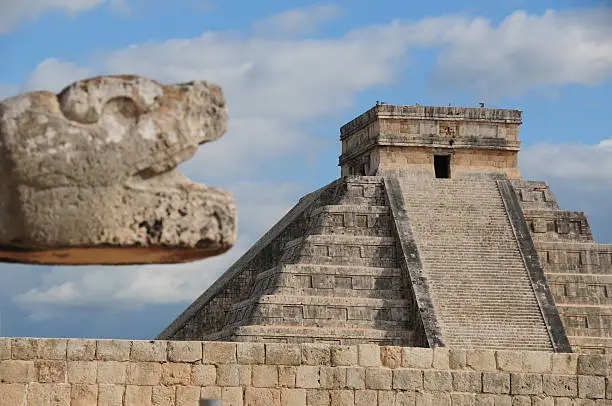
{"points": [[89, 176]]}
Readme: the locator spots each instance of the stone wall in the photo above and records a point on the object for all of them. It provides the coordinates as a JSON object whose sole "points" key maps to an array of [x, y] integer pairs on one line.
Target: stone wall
{"points": [[121, 372]]}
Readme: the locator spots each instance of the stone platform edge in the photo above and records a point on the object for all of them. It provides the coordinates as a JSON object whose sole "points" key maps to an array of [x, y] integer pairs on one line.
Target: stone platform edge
{"points": [[131, 372]]}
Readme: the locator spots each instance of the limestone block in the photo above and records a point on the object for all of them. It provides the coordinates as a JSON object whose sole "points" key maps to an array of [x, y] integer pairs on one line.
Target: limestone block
{"points": [[308, 377], [437, 381], [405, 399], [203, 375], [143, 373], [48, 371], [508, 361], [344, 355], [138, 395], [369, 355], [391, 357], [265, 376], [457, 359], [184, 351], [163, 396], [111, 372], [207, 392], [560, 385], [333, 377], [366, 397], [82, 372], [286, 376], [81, 350], [521, 401], [592, 364], [12, 371], [283, 354], [228, 375], [415, 357], [293, 397], [24, 348], [467, 381], [89, 176], [174, 373], [565, 364], [148, 351], [316, 397], [525, 384], [441, 359], [110, 395], [12, 394], [465, 399], [190, 395], [591, 387], [542, 401], [481, 360], [113, 350], [408, 379], [495, 382], [537, 361], [232, 396], [218, 353], [83, 394], [262, 397], [251, 353], [433, 399], [316, 354], [502, 400], [355, 378], [56, 394], [5, 348], [379, 378], [51, 348]]}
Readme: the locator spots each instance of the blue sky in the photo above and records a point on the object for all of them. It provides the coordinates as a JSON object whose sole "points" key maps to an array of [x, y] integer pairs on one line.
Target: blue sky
{"points": [[293, 73]]}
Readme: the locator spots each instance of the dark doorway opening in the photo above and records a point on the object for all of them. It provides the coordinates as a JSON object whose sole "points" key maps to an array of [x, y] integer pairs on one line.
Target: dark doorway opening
{"points": [[442, 166]]}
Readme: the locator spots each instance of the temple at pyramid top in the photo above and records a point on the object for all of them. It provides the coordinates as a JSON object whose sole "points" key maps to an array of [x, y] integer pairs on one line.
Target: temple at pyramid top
{"points": [[429, 141], [429, 238]]}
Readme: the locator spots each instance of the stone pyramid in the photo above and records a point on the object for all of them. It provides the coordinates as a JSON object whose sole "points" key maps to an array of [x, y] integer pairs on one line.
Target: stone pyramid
{"points": [[430, 238]]}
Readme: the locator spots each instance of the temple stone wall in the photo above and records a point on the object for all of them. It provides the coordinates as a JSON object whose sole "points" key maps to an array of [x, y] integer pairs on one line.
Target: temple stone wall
{"points": [[74, 372]]}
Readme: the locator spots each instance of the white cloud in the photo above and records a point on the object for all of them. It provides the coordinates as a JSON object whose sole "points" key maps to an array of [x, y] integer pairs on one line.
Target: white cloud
{"points": [[53, 75], [301, 21], [15, 12], [8, 90]]}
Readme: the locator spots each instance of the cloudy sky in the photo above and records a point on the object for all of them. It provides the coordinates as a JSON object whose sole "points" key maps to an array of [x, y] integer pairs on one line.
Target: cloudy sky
{"points": [[293, 72]]}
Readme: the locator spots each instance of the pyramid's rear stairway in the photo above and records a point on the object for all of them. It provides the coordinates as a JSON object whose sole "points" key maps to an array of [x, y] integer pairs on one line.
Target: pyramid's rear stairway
{"points": [[479, 283]]}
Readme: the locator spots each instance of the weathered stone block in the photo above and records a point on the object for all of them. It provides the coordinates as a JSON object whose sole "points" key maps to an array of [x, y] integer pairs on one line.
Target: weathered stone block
{"points": [[366, 397], [437, 381], [184, 351], [333, 377], [355, 378], [308, 377], [408, 379], [232, 396], [12, 371], [24, 348], [265, 376], [251, 353], [163, 396], [283, 354], [110, 395], [217, 352], [525, 384], [560, 385], [316, 354], [495, 382], [228, 375], [5, 348], [112, 372], [293, 397], [286, 376], [433, 399], [508, 361], [206, 392], [414, 357], [138, 395], [537, 361], [81, 350], [173, 373], [344, 356], [48, 371], [113, 350], [464, 399], [51, 348], [391, 357], [148, 351], [83, 394], [379, 378], [84, 372], [56, 394], [467, 381], [542, 401], [317, 397], [143, 373], [262, 397], [203, 375], [457, 359], [481, 360], [441, 358], [591, 387], [369, 355], [566, 364], [190, 395], [12, 394], [592, 364]]}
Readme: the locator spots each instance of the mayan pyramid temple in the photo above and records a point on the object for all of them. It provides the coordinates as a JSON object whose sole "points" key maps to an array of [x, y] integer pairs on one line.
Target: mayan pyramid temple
{"points": [[430, 238]]}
